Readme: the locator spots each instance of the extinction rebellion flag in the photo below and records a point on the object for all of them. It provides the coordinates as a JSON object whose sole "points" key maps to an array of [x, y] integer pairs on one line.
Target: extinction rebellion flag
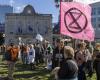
{"points": [[76, 21]]}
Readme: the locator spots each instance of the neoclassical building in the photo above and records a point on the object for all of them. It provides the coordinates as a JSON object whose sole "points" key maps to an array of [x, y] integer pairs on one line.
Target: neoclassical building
{"points": [[23, 27]]}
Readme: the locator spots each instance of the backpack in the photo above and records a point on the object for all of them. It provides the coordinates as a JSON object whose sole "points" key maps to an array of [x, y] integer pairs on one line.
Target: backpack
{"points": [[12, 54], [6, 56]]}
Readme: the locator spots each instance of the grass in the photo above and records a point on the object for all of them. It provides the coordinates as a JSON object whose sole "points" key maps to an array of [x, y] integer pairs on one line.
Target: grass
{"points": [[23, 72]]}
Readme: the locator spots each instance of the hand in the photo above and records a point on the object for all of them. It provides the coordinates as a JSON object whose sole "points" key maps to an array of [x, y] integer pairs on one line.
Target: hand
{"points": [[55, 70]]}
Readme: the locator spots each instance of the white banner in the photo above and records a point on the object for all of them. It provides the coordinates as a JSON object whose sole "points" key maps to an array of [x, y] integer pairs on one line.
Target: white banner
{"points": [[39, 37]]}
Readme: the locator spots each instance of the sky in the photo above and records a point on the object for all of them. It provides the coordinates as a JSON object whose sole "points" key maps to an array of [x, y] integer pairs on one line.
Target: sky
{"points": [[87, 1], [40, 6]]}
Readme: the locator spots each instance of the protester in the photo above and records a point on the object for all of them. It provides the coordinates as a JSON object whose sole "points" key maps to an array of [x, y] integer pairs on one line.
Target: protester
{"points": [[47, 54], [24, 54], [11, 56], [69, 69], [58, 53], [31, 56], [41, 60], [22, 48], [82, 56], [89, 64], [37, 53], [96, 57]]}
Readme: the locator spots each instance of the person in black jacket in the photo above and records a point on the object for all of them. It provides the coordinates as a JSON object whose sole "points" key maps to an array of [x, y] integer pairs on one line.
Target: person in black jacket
{"points": [[58, 54], [69, 69], [96, 58]]}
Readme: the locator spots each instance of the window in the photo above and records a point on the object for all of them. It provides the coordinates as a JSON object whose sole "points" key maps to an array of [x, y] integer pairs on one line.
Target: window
{"points": [[93, 11], [93, 20], [94, 25], [98, 25], [98, 10], [98, 19], [11, 32]]}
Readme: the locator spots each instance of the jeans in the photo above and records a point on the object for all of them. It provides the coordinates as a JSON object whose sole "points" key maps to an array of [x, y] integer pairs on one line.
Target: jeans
{"points": [[97, 69], [11, 66], [24, 58], [81, 73]]}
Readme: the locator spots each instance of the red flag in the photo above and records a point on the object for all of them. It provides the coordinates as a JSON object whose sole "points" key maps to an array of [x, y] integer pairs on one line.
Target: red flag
{"points": [[76, 21]]}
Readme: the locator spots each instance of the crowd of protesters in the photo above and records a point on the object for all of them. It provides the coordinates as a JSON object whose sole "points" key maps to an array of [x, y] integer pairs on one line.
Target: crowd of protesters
{"points": [[85, 56], [28, 54], [66, 62]]}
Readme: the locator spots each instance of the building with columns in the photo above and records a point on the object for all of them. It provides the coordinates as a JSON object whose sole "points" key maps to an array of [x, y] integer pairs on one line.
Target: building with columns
{"points": [[23, 27]]}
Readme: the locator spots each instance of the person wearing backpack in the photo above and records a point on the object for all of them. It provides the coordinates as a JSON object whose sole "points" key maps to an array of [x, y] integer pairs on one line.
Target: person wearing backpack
{"points": [[11, 58]]}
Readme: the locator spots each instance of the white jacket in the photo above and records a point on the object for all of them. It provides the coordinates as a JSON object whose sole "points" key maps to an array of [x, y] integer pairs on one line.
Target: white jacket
{"points": [[31, 55]]}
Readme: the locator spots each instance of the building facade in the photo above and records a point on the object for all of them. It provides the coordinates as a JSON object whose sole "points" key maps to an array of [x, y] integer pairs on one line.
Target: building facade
{"points": [[23, 27], [3, 10], [96, 19], [2, 26]]}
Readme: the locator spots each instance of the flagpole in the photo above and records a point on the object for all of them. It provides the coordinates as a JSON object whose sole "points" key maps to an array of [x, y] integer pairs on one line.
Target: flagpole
{"points": [[60, 31]]}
